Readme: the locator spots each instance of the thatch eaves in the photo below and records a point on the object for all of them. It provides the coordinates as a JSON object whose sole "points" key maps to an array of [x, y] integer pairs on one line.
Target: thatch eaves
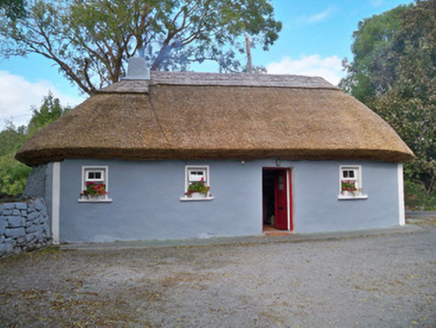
{"points": [[218, 116]]}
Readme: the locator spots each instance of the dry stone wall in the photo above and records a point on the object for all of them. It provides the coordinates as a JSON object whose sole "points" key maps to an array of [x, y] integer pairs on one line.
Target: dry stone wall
{"points": [[24, 226]]}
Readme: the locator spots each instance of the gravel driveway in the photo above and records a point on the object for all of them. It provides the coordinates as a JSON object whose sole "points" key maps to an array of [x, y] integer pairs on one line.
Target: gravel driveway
{"points": [[375, 281]]}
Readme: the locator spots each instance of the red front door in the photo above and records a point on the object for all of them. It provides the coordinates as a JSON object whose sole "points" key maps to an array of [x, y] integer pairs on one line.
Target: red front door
{"points": [[281, 200]]}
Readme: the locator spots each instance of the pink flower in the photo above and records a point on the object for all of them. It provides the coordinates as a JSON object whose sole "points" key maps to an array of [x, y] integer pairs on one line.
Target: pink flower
{"points": [[202, 179]]}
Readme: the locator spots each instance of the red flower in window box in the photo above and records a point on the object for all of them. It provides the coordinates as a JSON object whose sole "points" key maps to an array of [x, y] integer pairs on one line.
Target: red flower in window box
{"points": [[199, 187], [349, 185], [94, 190]]}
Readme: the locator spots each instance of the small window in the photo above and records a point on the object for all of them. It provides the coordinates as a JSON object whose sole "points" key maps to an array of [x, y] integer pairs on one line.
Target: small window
{"points": [[197, 183], [350, 183], [94, 175], [94, 184]]}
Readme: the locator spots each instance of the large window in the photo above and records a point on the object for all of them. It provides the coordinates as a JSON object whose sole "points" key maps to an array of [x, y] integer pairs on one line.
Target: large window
{"points": [[197, 183], [95, 184], [350, 182]]}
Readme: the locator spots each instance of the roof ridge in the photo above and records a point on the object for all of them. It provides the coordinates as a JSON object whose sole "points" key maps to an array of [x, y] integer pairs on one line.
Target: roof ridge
{"points": [[239, 79], [219, 79]]}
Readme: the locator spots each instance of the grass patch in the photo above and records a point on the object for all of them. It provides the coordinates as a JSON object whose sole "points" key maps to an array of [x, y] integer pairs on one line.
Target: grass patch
{"points": [[417, 198]]}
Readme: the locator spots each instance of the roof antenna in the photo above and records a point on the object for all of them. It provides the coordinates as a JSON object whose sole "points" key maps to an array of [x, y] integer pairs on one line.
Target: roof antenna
{"points": [[247, 46]]}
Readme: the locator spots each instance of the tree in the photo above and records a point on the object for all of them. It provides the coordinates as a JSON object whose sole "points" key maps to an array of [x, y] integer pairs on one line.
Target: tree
{"points": [[50, 110], [13, 9], [10, 137], [371, 72], [403, 85], [13, 174], [90, 40]]}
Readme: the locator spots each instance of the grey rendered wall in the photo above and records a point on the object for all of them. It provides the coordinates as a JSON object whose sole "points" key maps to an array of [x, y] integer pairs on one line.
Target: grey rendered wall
{"points": [[49, 190], [317, 208], [39, 185], [36, 183], [146, 201]]}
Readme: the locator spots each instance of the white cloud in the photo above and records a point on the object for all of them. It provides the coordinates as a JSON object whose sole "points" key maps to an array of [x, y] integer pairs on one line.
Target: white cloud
{"points": [[315, 18], [320, 16], [329, 68], [18, 95]]}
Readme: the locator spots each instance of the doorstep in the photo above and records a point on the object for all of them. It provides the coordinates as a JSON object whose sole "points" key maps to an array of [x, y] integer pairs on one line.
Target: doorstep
{"points": [[277, 233]]}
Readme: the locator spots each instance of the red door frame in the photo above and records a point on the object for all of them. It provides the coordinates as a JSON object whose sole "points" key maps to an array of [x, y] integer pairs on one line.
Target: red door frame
{"points": [[290, 205]]}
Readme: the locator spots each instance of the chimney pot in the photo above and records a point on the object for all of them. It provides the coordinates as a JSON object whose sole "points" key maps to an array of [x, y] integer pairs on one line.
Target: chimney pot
{"points": [[137, 69]]}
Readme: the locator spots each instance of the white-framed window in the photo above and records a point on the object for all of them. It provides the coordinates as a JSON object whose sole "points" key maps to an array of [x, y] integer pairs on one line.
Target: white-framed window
{"points": [[197, 183], [95, 184], [350, 182]]}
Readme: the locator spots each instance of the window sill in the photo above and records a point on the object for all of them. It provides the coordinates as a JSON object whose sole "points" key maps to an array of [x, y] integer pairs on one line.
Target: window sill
{"points": [[189, 199], [346, 197], [95, 200]]}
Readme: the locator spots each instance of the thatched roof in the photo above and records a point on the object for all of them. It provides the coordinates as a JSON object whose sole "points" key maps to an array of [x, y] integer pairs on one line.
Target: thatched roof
{"points": [[218, 116]]}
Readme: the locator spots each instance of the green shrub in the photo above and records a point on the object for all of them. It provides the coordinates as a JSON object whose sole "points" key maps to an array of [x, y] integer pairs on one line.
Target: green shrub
{"points": [[417, 198]]}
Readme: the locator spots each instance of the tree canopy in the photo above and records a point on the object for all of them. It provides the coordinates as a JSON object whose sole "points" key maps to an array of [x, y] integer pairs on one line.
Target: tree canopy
{"points": [[371, 71], [13, 8], [396, 76], [49, 111], [90, 40]]}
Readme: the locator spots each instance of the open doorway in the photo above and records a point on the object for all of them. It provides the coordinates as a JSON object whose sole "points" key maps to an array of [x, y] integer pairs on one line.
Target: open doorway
{"points": [[277, 199]]}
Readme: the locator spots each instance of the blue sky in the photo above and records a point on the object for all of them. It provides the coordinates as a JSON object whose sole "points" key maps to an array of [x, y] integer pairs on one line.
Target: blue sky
{"points": [[316, 36]]}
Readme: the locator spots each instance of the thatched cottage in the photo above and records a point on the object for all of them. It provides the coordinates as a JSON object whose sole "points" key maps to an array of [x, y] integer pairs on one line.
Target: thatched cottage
{"points": [[280, 152]]}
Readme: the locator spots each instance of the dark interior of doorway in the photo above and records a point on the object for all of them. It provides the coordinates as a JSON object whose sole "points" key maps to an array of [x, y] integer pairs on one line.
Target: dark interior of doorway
{"points": [[268, 196]]}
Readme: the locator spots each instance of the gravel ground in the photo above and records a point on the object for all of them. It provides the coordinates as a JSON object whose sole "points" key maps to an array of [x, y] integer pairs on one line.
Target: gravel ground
{"points": [[375, 281]]}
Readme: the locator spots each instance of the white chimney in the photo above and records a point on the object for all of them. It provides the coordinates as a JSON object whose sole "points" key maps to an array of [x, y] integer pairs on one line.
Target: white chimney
{"points": [[137, 69]]}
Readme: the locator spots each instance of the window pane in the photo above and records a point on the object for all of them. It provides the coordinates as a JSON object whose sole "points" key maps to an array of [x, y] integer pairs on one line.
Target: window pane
{"points": [[351, 173], [94, 175], [345, 174]]}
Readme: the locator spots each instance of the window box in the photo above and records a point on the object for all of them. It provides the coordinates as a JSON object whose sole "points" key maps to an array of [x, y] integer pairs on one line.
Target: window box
{"points": [[95, 185]]}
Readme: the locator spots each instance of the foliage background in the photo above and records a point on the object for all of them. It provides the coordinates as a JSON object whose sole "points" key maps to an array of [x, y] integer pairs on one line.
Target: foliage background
{"points": [[393, 73], [13, 174]]}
